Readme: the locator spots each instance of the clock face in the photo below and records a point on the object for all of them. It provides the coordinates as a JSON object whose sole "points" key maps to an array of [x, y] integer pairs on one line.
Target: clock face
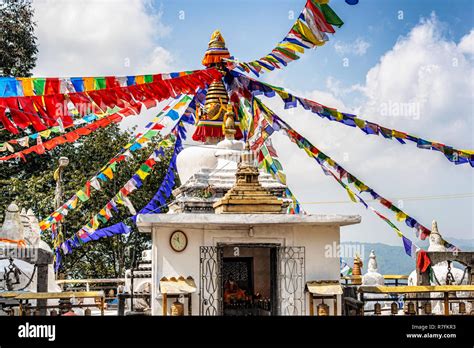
{"points": [[178, 241]]}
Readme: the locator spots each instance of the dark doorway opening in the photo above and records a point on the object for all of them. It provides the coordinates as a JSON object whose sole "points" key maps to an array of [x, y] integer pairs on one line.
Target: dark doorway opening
{"points": [[249, 282]]}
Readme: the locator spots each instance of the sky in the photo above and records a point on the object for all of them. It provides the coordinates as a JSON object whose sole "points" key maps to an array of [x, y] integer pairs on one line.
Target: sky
{"points": [[387, 56]]}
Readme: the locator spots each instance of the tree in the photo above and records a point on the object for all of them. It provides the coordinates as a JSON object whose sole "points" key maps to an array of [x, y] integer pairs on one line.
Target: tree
{"points": [[107, 257], [31, 183], [17, 58], [17, 40]]}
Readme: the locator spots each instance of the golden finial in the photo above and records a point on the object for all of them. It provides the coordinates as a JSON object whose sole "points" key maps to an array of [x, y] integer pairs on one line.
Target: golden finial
{"points": [[217, 40], [216, 50]]}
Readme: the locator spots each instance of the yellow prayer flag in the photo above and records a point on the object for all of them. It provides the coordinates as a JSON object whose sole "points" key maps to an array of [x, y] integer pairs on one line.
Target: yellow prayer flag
{"points": [[398, 134], [108, 172], [95, 222], [46, 133], [308, 34], [292, 46], [74, 203], [139, 79], [89, 83], [142, 174], [401, 216], [310, 154], [27, 85], [282, 177], [360, 123], [179, 104], [351, 195]]}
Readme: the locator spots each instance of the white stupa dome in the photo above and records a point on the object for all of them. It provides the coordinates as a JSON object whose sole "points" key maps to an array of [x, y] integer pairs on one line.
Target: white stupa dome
{"points": [[196, 157]]}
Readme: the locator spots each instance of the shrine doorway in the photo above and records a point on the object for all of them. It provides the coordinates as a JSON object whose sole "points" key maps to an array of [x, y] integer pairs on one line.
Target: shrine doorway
{"points": [[251, 280], [249, 284]]}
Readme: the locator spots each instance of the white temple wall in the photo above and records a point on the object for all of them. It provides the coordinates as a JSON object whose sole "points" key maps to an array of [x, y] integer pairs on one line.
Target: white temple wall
{"points": [[168, 263]]}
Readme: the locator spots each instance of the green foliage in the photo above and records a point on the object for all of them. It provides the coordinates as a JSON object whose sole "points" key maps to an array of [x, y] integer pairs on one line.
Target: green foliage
{"points": [[17, 40], [31, 183], [107, 257]]}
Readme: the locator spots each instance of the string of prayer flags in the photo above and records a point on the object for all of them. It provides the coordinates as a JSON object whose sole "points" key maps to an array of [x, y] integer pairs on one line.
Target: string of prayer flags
{"points": [[308, 32], [135, 182], [38, 86], [457, 156], [346, 270], [70, 137], [90, 232], [121, 197], [267, 159], [409, 247], [278, 124], [25, 141], [21, 112], [106, 173]]}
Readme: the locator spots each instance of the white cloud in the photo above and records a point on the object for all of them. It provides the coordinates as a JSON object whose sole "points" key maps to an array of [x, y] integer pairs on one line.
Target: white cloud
{"points": [[85, 37], [425, 84], [95, 38], [466, 45], [359, 47]]}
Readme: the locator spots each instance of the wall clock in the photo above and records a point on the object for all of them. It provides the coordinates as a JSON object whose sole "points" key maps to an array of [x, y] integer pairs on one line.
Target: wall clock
{"points": [[178, 241]]}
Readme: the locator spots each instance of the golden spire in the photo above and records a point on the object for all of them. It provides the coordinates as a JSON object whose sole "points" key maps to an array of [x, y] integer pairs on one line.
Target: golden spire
{"points": [[248, 196], [211, 124], [216, 50]]}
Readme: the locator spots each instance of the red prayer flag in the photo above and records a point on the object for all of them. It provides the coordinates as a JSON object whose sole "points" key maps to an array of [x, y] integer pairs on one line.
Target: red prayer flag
{"points": [[30, 111], [423, 261], [9, 126], [52, 86], [20, 119]]}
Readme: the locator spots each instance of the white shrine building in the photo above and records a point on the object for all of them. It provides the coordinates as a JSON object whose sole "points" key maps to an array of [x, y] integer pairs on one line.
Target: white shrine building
{"points": [[244, 253]]}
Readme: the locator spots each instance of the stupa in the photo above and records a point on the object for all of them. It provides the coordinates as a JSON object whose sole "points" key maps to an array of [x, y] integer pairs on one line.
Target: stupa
{"points": [[228, 226], [372, 278], [441, 271], [33, 258]]}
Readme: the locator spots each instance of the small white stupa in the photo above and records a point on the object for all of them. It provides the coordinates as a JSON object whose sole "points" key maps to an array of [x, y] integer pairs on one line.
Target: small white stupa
{"points": [[440, 271], [372, 277], [21, 230], [12, 228]]}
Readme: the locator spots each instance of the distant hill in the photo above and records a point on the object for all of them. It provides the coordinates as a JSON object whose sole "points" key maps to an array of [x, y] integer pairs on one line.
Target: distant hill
{"points": [[393, 259]]}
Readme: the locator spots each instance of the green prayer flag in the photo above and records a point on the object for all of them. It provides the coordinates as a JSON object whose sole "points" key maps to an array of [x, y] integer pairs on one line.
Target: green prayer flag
{"points": [[287, 53], [82, 196], [100, 82], [150, 134], [277, 164], [331, 16], [38, 84], [148, 78], [101, 218], [145, 168], [322, 156]]}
